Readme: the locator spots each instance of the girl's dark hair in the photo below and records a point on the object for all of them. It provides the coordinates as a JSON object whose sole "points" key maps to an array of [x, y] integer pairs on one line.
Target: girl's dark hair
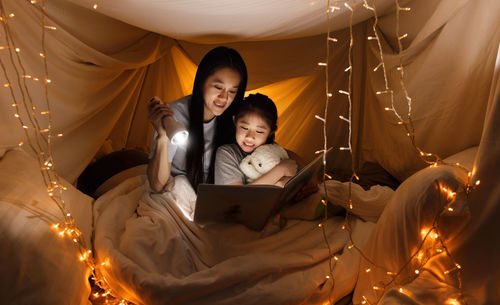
{"points": [[264, 107], [216, 59]]}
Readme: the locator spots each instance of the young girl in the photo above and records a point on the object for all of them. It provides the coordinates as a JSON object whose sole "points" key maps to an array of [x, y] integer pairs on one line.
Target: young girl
{"points": [[255, 122], [218, 89]]}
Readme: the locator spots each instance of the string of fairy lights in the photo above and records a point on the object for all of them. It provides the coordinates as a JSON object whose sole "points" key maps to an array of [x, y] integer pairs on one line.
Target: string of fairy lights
{"points": [[432, 243], [40, 138]]}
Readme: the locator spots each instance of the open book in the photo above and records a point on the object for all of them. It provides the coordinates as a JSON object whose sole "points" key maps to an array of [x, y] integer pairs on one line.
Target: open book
{"points": [[252, 204]]}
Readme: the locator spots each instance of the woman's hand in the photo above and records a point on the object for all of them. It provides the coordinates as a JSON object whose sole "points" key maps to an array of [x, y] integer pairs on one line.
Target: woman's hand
{"points": [[157, 111]]}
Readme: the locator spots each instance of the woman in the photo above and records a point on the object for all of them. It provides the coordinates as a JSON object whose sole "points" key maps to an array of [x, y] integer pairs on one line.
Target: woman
{"points": [[218, 89]]}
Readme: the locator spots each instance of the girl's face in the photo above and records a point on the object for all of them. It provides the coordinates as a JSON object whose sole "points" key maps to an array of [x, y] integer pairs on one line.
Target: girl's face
{"points": [[219, 91], [251, 132]]}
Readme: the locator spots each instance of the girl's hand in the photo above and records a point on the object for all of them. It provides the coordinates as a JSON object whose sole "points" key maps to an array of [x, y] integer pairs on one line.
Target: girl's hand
{"points": [[288, 167], [283, 181], [157, 111]]}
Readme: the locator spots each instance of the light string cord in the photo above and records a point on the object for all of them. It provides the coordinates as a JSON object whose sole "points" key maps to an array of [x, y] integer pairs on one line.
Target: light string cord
{"points": [[349, 69], [410, 132], [51, 181], [44, 159], [325, 147], [425, 156], [67, 226], [408, 125], [410, 128], [41, 158], [45, 168], [22, 85], [47, 81], [331, 9]]}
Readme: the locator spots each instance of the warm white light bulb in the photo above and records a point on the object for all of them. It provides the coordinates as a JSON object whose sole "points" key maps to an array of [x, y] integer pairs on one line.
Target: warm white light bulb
{"points": [[320, 118]]}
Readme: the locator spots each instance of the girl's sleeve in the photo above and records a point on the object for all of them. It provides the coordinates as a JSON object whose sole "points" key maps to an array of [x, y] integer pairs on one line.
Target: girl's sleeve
{"points": [[227, 167]]}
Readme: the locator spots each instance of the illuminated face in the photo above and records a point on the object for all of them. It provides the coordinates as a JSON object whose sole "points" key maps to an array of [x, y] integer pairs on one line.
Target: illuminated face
{"points": [[219, 91], [251, 132]]}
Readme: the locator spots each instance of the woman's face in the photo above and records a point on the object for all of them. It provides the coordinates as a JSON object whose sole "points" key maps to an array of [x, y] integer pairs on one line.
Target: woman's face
{"points": [[251, 132], [219, 91]]}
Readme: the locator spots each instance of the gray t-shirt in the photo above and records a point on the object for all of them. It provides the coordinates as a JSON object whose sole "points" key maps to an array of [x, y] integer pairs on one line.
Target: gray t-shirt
{"points": [[227, 164], [177, 153]]}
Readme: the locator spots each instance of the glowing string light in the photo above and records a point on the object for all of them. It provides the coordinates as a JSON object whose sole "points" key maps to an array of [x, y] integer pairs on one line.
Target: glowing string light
{"points": [[40, 142]]}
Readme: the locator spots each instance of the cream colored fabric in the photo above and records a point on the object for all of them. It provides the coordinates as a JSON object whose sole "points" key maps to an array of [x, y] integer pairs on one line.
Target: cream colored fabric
{"points": [[222, 21], [464, 158], [157, 256], [478, 245], [413, 208], [474, 246], [366, 204], [119, 178], [38, 266], [97, 77]]}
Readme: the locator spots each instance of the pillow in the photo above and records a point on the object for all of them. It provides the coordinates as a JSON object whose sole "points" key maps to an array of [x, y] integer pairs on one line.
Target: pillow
{"points": [[412, 210], [106, 167], [39, 267], [119, 178]]}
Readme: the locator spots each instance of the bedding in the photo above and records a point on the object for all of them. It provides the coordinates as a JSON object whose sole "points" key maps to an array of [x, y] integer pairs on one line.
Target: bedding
{"points": [[38, 267], [412, 210], [465, 157], [153, 255]]}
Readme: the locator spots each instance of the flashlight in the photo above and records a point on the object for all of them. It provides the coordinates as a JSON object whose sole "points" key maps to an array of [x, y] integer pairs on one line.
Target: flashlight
{"points": [[176, 132]]}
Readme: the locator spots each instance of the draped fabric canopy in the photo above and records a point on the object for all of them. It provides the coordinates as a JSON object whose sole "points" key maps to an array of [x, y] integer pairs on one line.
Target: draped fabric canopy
{"points": [[226, 21], [105, 63]]}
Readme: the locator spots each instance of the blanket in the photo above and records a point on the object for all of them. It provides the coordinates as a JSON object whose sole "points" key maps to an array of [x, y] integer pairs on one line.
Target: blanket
{"points": [[151, 253]]}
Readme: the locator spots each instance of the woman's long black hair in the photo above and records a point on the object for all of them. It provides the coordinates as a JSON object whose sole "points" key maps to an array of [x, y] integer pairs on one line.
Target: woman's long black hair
{"points": [[216, 59]]}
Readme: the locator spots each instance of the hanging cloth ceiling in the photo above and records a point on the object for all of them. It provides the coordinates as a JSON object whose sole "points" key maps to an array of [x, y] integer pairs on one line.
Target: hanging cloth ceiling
{"points": [[222, 21]]}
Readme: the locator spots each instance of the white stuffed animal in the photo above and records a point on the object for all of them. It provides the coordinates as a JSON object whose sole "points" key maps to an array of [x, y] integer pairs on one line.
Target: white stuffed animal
{"points": [[262, 160]]}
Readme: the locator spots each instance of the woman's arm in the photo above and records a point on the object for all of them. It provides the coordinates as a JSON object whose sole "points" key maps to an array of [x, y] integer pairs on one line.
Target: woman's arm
{"points": [[158, 167]]}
